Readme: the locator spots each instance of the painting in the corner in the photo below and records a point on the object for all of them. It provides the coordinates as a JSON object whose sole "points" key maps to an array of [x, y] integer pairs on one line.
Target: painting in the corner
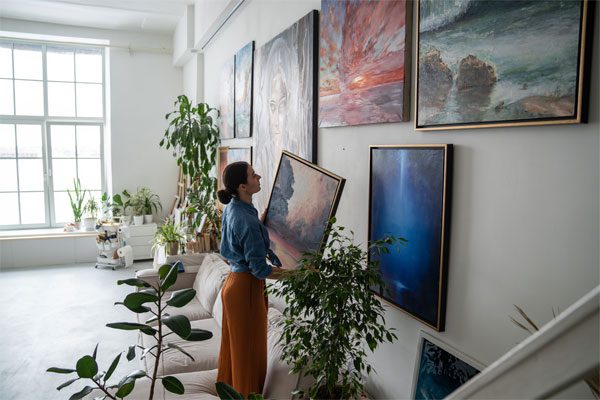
{"points": [[244, 62], [228, 155], [285, 100], [440, 369], [226, 99], [362, 62], [303, 200], [497, 62], [409, 197]]}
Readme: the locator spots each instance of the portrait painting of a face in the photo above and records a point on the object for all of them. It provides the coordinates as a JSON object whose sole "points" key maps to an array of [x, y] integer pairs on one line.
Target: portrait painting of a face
{"points": [[228, 155], [285, 106], [303, 200], [244, 60], [409, 198], [226, 100], [362, 62]]}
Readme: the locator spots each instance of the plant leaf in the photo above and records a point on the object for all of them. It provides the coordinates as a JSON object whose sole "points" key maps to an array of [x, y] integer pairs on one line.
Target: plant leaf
{"points": [[133, 282], [67, 383], [524, 315], [95, 351], [134, 301], [86, 367], [179, 324], [125, 389], [81, 394], [57, 370], [181, 297], [227, 392], [112, 367], [131, 326], [520, 325], [131, 353], [198, 335], [170, 277], [173, 385]]}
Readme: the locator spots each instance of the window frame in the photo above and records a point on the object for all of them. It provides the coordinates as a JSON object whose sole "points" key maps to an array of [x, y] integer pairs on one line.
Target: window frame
{"points": [[45, 121]]}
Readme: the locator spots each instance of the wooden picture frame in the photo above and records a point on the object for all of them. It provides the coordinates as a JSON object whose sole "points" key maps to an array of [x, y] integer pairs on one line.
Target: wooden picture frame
{"points": [[494, 68], [303, 200], [409, 197]]}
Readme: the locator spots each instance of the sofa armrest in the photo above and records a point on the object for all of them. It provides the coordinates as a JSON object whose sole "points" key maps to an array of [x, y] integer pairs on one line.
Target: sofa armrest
{"points": [[184, 279]]}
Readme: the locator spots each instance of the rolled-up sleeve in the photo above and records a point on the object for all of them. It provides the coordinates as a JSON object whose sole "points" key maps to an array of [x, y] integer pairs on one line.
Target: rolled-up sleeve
{"points": [[255, 251]]}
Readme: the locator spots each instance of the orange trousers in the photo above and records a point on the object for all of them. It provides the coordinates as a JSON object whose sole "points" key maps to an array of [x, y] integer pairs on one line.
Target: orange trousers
{"points": [[243, 354]]}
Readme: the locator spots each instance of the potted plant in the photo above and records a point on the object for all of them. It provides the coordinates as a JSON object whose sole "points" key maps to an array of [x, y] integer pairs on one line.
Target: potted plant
{"points": [[138, 208], [91, 210], [151, 203], [76, 199], [332, 315], [194, 136], [121, 204], [170, 235]]}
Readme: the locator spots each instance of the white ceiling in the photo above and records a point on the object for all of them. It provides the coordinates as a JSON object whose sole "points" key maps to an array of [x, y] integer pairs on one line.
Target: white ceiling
{"points": [[133, 15]]}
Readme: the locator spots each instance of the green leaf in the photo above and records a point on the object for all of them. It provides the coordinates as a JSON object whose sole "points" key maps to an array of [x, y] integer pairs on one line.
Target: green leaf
{"points": [[227, 392], [179, 324], [134, 301], [136, 374], [57, 370], [173, 385], [168, 276], [131, 353], [255, 396], [131, 326], [81, 394], [67, 383], [125, 389], [181, 297], [112, 367], [95, 351], [133, 282], [197, 335], [86, 367], [174, 346]]}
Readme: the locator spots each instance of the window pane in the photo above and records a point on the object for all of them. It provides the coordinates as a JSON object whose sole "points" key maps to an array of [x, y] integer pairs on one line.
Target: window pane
{"points": [[29, 140], [62, 208], [29, 97], [63, 140], [61, 99], [90, 174], [88, 65], [89, 100], [5, 60], [31, 174], [28, 61], [33, 208], [7, 140], [7, 105], [88, 141], [63, 173], [60, 63], [8, 177], [9, 209]]}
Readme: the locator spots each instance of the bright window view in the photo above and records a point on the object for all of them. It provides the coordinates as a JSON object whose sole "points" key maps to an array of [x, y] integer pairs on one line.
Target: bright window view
{"points": [[51, 130]]}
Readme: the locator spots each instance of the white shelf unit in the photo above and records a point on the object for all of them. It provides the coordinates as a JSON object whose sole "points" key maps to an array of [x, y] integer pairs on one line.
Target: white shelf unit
{"points": [[140, 240]]}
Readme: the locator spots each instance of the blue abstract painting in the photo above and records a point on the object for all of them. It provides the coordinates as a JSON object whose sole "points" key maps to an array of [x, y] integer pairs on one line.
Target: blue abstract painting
{"points": [[408, 199], [440, 372]]}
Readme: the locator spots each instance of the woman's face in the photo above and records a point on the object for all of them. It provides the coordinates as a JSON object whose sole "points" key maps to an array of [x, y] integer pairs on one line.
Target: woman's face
{"points": [[253, 181], [278, 99]]}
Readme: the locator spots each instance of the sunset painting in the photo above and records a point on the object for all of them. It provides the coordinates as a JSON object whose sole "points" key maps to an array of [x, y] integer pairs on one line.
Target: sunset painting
{"points": [[303, 200], [362, 62]]}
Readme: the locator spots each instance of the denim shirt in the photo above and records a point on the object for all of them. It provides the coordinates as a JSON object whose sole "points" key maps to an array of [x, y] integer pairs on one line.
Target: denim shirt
{"points": [[244, 239]]}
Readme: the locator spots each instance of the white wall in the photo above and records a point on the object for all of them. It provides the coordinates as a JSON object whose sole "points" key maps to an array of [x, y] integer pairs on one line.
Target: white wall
{"points": [[143, 86]]}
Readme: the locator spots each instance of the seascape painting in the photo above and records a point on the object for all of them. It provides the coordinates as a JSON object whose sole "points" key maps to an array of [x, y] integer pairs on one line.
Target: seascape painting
{"points": [[226, 100], [409, 198], [497, 62], [228, 155], [285, 100], [304, 198], [439, 372], [362, 62], [244, 62]]}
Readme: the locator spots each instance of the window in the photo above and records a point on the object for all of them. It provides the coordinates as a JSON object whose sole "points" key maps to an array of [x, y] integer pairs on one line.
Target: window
{"points": [[51, 130]]}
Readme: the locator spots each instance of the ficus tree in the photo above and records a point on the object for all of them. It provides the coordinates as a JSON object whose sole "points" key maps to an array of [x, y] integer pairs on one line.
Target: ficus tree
{"points": [[86, 368]]}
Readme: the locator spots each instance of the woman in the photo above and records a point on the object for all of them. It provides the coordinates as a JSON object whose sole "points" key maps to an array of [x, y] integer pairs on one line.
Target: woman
{"points": [[245, 244]]}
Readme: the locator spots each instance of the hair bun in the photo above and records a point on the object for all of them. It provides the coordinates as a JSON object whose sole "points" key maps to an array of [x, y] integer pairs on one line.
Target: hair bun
{"points": [[224, 196]]}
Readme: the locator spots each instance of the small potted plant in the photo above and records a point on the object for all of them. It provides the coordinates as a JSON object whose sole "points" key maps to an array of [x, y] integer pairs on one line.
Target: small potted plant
{"points": [[138, 208], [76, 198], [170, 235], [91, 210], [151, 203], [121, 203]]}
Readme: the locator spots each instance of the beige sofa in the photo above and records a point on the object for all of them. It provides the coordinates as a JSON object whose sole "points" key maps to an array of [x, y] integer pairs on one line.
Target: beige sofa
{"points": [[205, 312]]}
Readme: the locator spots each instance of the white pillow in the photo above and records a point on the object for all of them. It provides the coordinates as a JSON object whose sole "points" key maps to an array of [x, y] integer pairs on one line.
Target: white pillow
{"points": [[210, 278]]}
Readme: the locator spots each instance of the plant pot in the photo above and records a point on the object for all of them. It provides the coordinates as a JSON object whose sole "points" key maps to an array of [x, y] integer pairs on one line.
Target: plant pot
{"points": [[148, 218], [89, 224], [138, 220], [77, 225], [126, 219], [172, 248]]}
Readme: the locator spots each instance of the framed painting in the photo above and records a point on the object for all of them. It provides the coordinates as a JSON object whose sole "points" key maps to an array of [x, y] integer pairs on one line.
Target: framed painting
{"points": [[303, 199], [409, 197], [226, 100], [489, 63], [440, 369], [244, 69], [286, 100], [364, 61], [228, 155]]}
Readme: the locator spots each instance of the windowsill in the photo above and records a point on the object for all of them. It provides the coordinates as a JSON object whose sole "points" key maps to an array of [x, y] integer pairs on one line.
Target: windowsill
{"points": [[47, 233]]}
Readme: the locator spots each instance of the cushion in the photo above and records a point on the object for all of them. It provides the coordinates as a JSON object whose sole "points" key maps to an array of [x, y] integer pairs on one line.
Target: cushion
{"points": [[193, 310], [198, 386], [209, 279], [205, 353], [217, 311]]}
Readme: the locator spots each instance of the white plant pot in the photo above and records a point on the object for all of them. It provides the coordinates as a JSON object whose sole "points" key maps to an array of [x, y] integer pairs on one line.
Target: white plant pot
{"points": [[148, 218], [138, 220], [89, 224], [126, 219]]}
